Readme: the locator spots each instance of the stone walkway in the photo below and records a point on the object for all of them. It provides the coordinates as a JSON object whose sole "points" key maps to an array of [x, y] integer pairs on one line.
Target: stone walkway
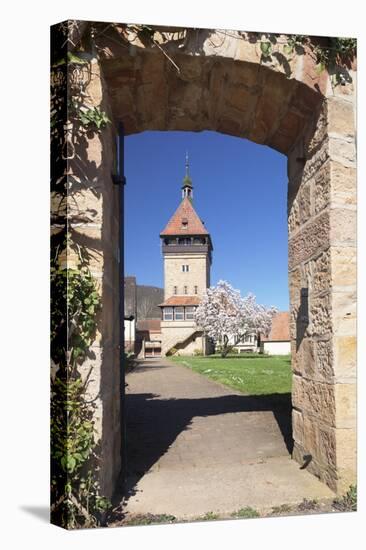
{"points": [[195, 446]]}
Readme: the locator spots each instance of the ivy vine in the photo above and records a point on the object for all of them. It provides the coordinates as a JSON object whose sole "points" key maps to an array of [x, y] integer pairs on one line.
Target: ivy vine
{"points": [[332, 54], [76, 499], [75, 490]]}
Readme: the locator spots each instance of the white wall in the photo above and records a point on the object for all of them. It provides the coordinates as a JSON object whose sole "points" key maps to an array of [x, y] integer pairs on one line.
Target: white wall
{"points": [[130, 331], [276, 348]]}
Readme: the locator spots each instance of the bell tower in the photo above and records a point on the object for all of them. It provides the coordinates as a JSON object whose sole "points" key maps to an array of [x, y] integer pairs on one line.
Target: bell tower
{"points": [[187, 255], [186, 247]]}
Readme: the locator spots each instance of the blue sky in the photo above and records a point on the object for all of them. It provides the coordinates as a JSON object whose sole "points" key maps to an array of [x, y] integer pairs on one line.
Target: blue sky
{"points": [[239, 192]]}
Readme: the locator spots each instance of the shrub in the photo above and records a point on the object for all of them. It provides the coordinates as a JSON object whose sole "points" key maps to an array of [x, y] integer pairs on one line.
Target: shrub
{"points": [[171, 351], [197, 352], [150, 519], [246, 512], [209, 516], [347, 503]]}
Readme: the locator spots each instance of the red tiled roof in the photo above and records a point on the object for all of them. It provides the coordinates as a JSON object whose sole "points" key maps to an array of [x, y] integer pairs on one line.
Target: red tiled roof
{"points": [[182, 301], [187, 214], [152, 325], [280, 328]]}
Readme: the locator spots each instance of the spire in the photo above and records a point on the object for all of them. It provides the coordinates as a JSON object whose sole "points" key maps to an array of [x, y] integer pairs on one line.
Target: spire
{"points": [[187, 187]]}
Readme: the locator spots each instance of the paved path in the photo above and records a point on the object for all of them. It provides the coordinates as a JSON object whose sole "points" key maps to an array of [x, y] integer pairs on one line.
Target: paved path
{"points": [[195, 446]]}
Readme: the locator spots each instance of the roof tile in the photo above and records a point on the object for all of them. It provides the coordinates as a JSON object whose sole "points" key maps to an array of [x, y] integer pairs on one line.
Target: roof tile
{"points": [[182, 301], [280, 330], [192, 223]]}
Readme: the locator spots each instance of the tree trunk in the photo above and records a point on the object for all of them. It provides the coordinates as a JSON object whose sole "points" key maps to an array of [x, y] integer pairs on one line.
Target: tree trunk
{"points": [[226, 347]]}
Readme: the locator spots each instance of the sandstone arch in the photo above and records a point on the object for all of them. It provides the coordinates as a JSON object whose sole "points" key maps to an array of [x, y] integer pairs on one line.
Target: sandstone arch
{"points": [[224, 85]]}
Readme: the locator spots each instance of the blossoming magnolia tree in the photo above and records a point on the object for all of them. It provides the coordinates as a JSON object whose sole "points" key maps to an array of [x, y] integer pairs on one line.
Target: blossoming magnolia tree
{"points": [[227, 317]]}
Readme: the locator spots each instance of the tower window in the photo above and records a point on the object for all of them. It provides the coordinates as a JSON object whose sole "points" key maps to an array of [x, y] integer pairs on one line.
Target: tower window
{"points": [[185, 290], [175, 290], [190, 313], [196, 289], [185, 268], [168, 314], [178, 313]]}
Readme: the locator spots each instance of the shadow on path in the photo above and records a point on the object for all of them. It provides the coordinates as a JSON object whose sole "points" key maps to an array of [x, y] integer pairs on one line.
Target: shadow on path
{"points": [[153, 424]]}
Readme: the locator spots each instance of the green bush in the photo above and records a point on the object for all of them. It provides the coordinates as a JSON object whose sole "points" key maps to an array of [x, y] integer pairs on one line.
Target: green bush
{"points": [[197, 352], [347, 503], [246, 512]]}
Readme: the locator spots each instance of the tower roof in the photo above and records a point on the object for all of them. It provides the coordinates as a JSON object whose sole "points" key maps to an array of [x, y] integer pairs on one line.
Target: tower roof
{"points": [[185, 221]]}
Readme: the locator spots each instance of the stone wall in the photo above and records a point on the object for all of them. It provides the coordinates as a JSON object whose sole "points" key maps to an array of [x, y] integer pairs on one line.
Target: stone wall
{"points": [[95, 204], [223, 85], [322, 276]]}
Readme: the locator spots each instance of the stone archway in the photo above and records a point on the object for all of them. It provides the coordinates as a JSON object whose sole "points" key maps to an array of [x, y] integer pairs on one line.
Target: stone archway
{"points": [[215, 80]]}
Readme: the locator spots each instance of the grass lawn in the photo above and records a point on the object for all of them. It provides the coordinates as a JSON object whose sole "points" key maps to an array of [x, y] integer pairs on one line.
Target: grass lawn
{"points": [[251, 374]]}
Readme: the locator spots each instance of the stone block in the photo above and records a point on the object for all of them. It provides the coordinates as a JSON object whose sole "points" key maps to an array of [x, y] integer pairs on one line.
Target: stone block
{"points": [[344, 313], [294, 217], [324, 359], [343, 226], [324, 472], [317, 131], [305, 202], [309, 240], [342, 151], [346, 403], [320, 317], [327, 450], [314, 398], [305, 358], [270, 107], [345, 357], [287, 132], [295, 286], [311, 436], [320, 270], [315, 161], [341, 117], [322, 188], [343, 266], [343, 184], [294, 313], [293, 356], [86, 206], [297, 426], [297, 391], [346, 440], [295, 165]]}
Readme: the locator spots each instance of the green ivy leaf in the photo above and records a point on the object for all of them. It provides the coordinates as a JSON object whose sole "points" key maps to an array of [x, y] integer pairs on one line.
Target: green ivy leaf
{"points": [[288, 49], [72, 58], [266, 48]]}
